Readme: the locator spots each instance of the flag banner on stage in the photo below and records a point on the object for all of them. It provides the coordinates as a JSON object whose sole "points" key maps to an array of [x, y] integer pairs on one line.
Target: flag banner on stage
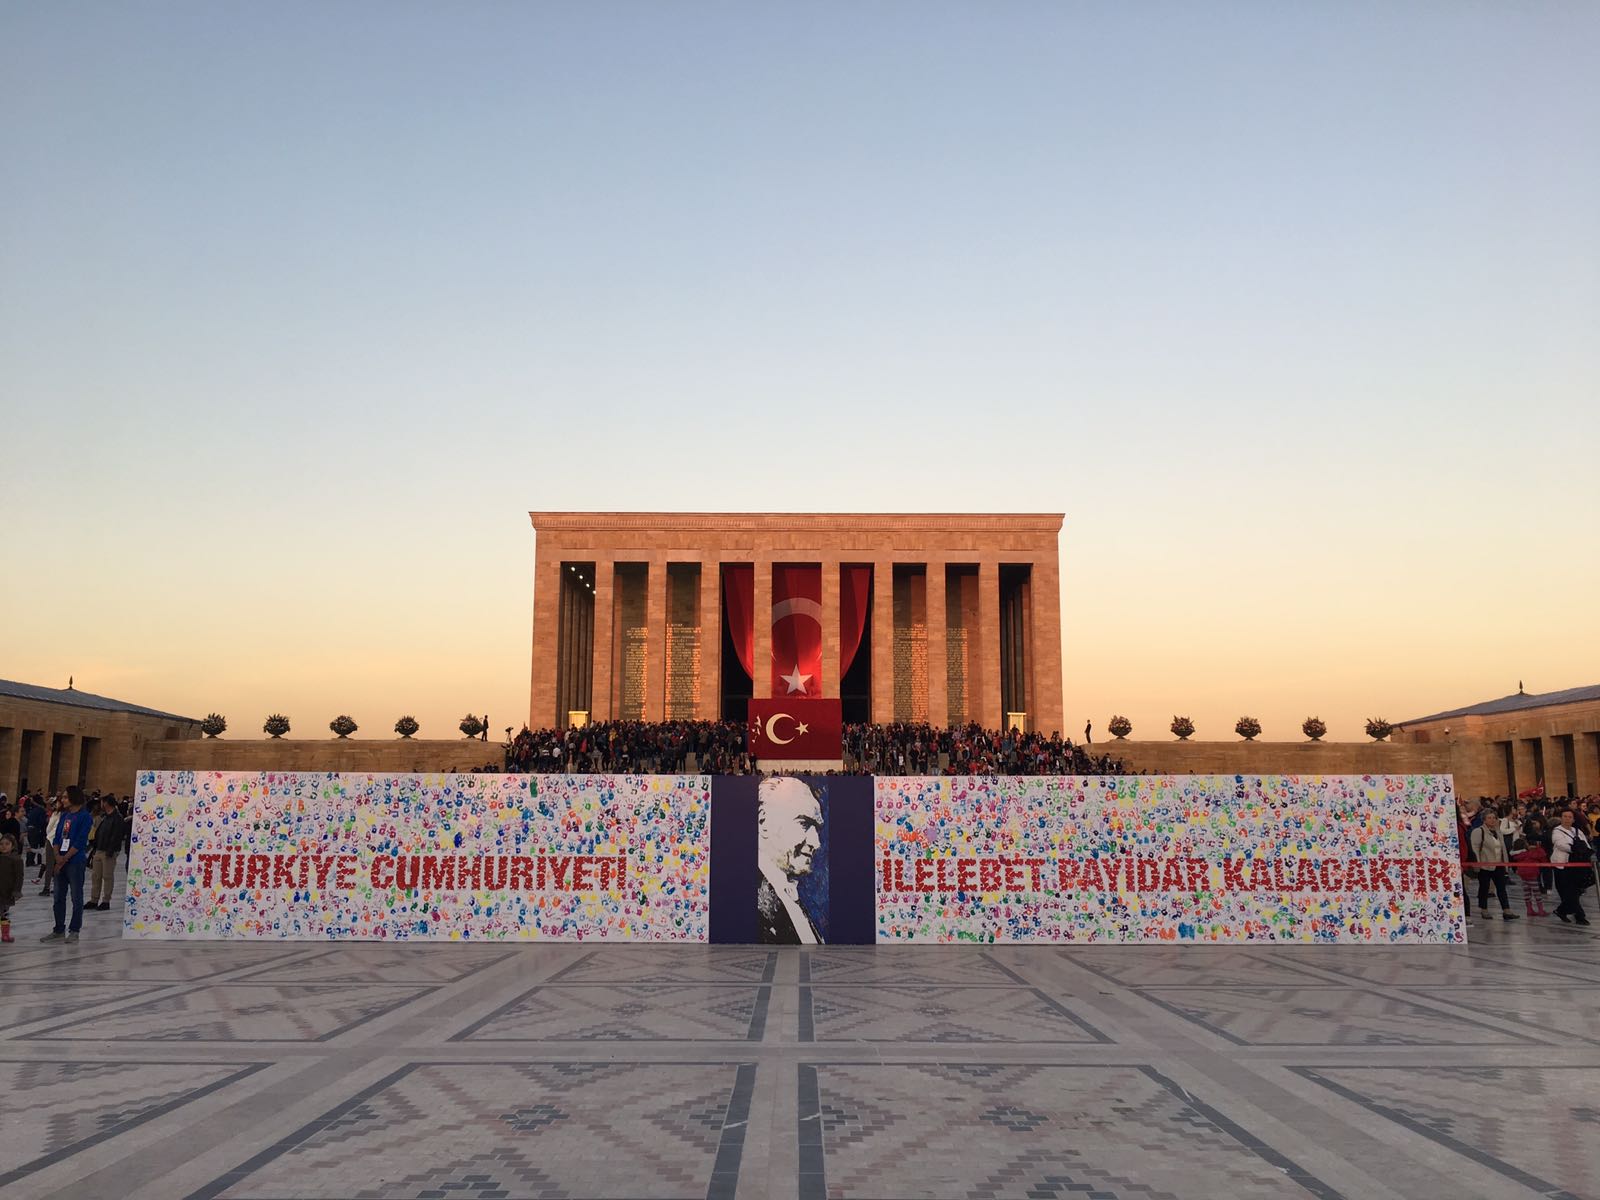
{"points": [[1368, 859], [798, 729], [547, 857], [796, 630]]}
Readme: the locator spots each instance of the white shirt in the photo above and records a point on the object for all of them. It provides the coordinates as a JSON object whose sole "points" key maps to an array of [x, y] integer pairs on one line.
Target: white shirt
{"points": [[1561, 842], [789, 896], [1487, 845]]}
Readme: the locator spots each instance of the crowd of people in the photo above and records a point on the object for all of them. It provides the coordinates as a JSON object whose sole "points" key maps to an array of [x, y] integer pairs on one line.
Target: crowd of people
{"points": [[631, 748], [908, 748], [721, 748], [1548, 844], [69, 840]]}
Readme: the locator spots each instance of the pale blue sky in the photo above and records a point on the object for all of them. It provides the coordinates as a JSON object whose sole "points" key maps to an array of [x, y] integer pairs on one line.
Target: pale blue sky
{"points": [[1293, 310]]}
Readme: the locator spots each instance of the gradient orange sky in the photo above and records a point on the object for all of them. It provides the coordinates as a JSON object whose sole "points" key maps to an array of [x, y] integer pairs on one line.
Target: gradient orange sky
{"points": [[1292, 314]]}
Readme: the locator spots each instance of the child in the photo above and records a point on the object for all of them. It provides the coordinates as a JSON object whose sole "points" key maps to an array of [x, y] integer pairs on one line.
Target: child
{"points": [[1528, 863], [11, 876]]}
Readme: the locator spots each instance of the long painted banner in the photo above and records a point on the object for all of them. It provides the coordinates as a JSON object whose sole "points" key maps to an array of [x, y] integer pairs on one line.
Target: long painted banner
{"points": [[837, 859], [564, 857], [1173, 859]]}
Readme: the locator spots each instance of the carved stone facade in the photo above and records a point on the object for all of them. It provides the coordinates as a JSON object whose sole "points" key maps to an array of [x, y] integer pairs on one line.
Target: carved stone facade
{"points": [[932, 646]]}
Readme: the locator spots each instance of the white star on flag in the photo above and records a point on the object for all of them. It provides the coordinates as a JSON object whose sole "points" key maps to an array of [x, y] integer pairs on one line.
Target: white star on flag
{"points": [[795, 680]]}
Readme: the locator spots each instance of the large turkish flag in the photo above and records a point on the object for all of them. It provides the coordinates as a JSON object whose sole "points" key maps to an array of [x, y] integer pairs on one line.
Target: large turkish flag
{"points": [[796, 728], [796, 630]]}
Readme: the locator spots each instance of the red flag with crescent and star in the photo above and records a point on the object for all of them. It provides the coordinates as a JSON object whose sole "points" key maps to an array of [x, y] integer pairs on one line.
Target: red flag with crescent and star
{"points": [[796, 630], [795, 728]]}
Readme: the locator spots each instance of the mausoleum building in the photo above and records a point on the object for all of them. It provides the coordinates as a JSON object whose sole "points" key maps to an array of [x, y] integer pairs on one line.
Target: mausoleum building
{"points": [[936, 617]]}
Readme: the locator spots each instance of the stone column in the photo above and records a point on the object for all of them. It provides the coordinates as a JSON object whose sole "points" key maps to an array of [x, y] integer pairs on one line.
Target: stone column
{"points": [[1586, 748], [655, 654], [1044, 647], [883, 641], [38, 760], [546, 639], [67, 762], [986, 703], [1555, 765], [829, 682], [761, 659], [1024, 631], [1522, 763], [11, 762], [605, 573], [708, 705], [938, 657]]}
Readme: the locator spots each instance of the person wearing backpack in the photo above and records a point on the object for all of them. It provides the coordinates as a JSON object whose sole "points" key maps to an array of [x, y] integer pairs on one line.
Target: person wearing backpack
{"points": [[105, 843], [1569, 844], [1489, 853]]}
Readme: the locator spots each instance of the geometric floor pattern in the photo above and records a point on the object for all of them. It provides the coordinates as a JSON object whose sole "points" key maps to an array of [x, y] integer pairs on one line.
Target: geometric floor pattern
{"points": [[1045, 1131], [1543, 1128], [534, 1129], [954, 1014], [1324, 1016], [309, 1071], [627, 1012]]}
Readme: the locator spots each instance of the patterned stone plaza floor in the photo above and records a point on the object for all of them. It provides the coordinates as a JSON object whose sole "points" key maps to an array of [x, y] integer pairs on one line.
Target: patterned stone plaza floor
{"points": [[164, 1071]]}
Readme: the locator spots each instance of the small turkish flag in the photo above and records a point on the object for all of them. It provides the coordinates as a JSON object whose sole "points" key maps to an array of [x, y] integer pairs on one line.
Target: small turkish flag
{"points": [[796, 728]]}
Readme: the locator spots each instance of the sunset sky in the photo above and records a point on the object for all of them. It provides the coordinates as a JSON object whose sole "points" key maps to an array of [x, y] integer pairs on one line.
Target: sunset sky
{"points": [[1294, 310]]}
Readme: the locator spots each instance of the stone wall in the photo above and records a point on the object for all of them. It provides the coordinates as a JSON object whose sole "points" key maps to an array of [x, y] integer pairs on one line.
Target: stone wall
{"points": [[394, 755], [1280, 758]]}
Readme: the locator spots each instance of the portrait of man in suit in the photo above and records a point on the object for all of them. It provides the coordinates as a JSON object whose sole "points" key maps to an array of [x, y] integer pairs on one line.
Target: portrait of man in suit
{"points": [[789, 818]]}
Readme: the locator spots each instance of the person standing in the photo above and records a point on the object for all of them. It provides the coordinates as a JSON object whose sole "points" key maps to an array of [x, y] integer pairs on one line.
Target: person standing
{"points": [[105, 844], [47, 868], [12, 874], [1489, 853], [1568, 844], [33, 816], [71, 844], [10, 822]]}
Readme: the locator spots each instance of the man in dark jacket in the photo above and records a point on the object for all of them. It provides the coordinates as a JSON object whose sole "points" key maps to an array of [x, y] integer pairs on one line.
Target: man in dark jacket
{"points": [[34, 818], [106, 844]]}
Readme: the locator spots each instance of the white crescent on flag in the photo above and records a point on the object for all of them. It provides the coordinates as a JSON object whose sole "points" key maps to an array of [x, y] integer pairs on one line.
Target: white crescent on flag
{"points": [[772, 723], [797, 607]]}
